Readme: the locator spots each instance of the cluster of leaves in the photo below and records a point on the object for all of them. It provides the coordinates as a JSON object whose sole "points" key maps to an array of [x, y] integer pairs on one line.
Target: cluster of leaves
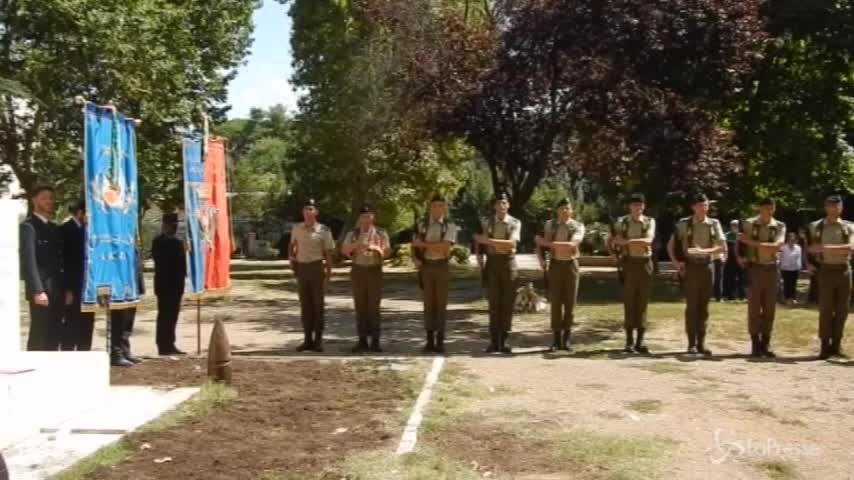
{"points": [[629, 91], [162, 62]]}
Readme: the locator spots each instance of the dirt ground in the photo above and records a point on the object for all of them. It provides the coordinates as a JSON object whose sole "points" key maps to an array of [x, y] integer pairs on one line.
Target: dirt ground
{"points": [[290, 420], [594, 414]]}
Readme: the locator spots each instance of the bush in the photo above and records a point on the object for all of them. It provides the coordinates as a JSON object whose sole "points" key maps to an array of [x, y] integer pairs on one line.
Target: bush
{"points": [[402, 255], [460, 254], [596, 239]]}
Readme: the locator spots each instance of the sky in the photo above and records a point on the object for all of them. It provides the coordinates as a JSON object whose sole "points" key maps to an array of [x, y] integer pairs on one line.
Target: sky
{"points": [[263, 80]]}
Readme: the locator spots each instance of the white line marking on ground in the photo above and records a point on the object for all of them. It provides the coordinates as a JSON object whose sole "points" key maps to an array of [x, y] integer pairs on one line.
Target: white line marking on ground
{"points": [[410, 433]]}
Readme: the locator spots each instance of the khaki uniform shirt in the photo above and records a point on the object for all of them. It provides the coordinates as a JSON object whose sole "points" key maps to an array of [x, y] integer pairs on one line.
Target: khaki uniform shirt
{"points": [[629, 229], [569, 231], [705, 234], [312, 242], [754, 229], [508, 229], [373, 235], [433, 233], [836, 233]]}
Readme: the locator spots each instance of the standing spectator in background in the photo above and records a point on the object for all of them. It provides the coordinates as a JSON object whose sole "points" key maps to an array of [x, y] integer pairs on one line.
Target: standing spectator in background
{"points": [[733, 270], [791, 262], [78, 326]]}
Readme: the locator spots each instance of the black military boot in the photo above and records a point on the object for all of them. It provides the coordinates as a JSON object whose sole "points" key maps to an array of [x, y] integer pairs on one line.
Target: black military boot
{"points": [[307, 343], [824, 354], [430, 346], [318, 342], [701, 345], [755, 346], [375, 343], [556, 342], [836, 347], [639, 346], [630, 341], [118, 360], [362, 346], [765, 346], [503, 344], [564, 342], [493, 343], [692, 344], [440, 342]]}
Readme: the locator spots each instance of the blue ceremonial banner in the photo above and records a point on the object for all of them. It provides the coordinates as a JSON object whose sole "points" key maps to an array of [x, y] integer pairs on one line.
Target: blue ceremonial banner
{"points": [[112, 205], [194, 212]]}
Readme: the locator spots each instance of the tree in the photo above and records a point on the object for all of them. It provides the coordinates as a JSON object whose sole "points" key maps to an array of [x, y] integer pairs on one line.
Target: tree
{"points": [[357, 142], [619, 89], [162, 62], [795, 118]]}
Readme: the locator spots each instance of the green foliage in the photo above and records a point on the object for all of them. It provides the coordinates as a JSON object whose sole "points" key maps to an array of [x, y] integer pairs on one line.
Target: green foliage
{"points": [[356, 142], [460, 254], [595, 239], [162, 62]]}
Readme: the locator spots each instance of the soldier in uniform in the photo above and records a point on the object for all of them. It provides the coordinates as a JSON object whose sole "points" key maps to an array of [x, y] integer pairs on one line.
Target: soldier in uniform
{"points": [[78, 327], [501, 233], [41, 270], [368, 246], [432, 249], [633, 236], [763, 236], [831, 240], [699, 238], [122, 321], [561, 239], [170, 272], [310, 254]]}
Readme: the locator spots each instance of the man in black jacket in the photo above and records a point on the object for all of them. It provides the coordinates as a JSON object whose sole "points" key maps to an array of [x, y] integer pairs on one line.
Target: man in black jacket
{"points": [[170, 272], [78, 327], [41, 269]]}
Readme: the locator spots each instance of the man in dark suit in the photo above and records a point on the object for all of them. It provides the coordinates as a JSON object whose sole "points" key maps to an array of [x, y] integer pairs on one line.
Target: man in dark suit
{"points": [[170, 272], [78, 326], [41, 271]]}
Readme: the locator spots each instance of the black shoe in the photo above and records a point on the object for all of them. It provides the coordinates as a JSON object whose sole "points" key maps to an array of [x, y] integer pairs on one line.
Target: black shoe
{"points": [[361, 346], [318, 342], [701, 348], [503, 345], [165, 352], [430, 346], [493, 343], [692, 350], [639, 346], [175, 351], [692, 345], [375, 344], [765, 347], [755, 346], [630, 341], [133, 359], [556, 343], [440, 342], [564, 342], [120, 362], [824, 354], [307, 343], [834, 346]]}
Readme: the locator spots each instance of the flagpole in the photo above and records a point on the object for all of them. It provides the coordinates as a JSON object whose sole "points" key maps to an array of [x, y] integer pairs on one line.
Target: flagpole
{"points": [[199, 326]]}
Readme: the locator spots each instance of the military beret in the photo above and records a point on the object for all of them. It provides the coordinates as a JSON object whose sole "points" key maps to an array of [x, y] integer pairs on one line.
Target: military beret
{"points": [[309, 203], [636, 198], [437, 198], [502, 196], [563, 202], [699, 198], [366, 209], [833, 199], [767, 201], [170, 218]]}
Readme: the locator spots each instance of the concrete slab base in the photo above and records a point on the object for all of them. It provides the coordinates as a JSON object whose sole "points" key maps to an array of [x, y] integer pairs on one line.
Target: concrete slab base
{"points": [[60, 444]]}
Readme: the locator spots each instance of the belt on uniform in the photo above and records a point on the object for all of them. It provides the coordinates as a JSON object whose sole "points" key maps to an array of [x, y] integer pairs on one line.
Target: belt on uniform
{"points": [[569, 260], [356, 265], [496, 256], [629, 259], [316, 262], [698, 261]]}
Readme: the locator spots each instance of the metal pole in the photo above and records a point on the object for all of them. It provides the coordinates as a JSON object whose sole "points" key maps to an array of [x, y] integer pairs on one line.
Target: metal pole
{"points": [[199, 326]]}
